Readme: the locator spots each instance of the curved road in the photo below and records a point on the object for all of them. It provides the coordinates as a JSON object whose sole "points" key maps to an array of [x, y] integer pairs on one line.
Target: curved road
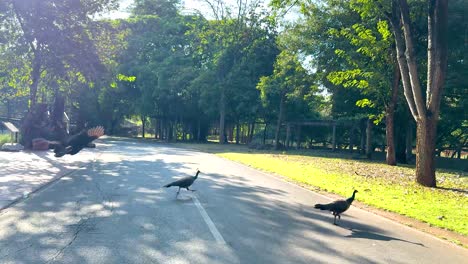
{"points": [[115, 211]]}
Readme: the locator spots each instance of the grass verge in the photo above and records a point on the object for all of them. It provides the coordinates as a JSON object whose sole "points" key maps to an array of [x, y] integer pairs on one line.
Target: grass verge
{"points": [[391, 188]]}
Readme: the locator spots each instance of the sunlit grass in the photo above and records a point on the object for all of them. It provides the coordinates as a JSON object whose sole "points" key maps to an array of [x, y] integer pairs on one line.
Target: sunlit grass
{"points": [[4, 138], [386, 187]]}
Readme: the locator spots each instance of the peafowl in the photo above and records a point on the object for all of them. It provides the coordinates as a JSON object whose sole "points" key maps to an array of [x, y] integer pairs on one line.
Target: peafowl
{"points": [[77, 142], [337, 207], [184, 182]]}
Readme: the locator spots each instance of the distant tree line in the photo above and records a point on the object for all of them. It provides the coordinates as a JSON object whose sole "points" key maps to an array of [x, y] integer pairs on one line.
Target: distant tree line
{"points": [[243, 72]]}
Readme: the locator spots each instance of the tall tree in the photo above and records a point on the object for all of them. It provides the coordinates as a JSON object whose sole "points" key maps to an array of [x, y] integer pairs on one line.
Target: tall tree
{"points": [[58, 45], [367, 68], [425, 111], [425, 108], [57, 37], [231, 27], [289, 85], [161, 56]]}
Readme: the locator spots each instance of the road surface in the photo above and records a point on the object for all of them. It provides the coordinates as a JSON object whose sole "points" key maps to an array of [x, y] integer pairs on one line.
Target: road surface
{"points": [[114, 211]]}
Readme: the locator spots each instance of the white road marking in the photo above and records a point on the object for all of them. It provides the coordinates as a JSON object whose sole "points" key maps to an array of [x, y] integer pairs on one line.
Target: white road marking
{"points": [[214, 231]]}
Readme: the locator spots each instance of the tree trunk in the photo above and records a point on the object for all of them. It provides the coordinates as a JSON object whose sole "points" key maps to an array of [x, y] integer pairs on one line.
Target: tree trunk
{"points": [[278, 123], [171, 133], [230, 132], [245, 128], [167, 130], [288, 136], [34, 125], [409, 140], [160, 129], [237, 132], [264, 133], [298, 137], [155, 128], [369, 139], [251, 132], [164, 129], [143, 123], [35, 76], [362, 145], [390, 136], [352, 136], [222, 117], [390, 118], [460, 147], [334, 137], [199, 130], [425, 158], [8, 108], [58, 126], [425, 113]]}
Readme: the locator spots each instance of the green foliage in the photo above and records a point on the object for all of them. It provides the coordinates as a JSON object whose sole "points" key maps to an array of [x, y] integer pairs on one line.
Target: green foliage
{"points": [[15, 69], [365, 103], [291, 81], [57, 32], [350, 78], [122, 77]]}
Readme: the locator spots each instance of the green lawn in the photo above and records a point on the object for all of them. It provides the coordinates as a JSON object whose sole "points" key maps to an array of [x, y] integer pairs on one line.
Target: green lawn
{"points": [[386, 187], [4, 138]]}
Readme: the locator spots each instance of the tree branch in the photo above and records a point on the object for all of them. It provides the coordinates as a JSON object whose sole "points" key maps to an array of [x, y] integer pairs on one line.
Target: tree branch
{"points": [[403, 66], [411, 60], [436, 53]]}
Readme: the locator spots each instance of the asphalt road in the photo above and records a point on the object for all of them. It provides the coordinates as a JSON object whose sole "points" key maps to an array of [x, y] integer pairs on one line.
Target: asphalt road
{"points": [[115, 211]]}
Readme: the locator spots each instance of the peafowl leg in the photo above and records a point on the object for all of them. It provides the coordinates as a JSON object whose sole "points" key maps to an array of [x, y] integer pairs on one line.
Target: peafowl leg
{"points": [[178, 191]]}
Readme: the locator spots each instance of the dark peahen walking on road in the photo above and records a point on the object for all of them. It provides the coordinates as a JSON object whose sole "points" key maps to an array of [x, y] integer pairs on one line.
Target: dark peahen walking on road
{"points": [[184, 182], [337, 207], [77, 142]]}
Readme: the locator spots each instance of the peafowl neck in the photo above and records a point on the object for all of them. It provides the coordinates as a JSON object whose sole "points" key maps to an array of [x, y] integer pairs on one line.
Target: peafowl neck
{"points": [[351, 199], [196, 175]]}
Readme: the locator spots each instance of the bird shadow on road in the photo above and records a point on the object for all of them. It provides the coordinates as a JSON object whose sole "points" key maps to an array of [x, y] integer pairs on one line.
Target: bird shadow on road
{"points": [[375, 236], [359, 230], [184, 199]]}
